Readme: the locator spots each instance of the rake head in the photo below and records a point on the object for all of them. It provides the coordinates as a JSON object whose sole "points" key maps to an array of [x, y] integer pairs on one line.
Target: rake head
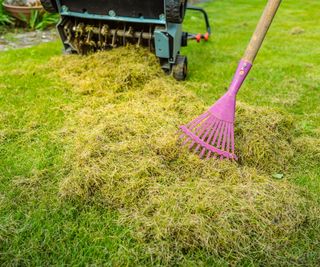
{"points": [[212, 133]]}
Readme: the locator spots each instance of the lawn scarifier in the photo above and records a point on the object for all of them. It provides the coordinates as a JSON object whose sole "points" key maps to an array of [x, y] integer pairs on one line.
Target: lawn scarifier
{"points": [[212, 133], [87, 27]]}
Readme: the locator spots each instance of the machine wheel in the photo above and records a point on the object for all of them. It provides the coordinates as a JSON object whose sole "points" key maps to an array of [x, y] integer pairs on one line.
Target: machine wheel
{"points": [[180, 68], [49, 6], [175, 10]]}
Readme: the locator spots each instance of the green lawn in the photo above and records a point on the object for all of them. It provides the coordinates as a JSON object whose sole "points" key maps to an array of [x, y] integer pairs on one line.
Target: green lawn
{"points": [[37, 228]]}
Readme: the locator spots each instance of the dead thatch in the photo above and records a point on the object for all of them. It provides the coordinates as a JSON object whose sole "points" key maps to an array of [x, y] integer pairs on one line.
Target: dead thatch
{"points": [[121, 148]]}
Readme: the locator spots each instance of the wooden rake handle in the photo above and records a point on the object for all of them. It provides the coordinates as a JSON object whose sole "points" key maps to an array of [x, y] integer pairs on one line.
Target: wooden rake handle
{"points": [[261, 30]]}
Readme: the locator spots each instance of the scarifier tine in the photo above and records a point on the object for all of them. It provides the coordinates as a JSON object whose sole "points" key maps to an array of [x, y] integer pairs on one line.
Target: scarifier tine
{"points": [[89, 26], [213, 131]]}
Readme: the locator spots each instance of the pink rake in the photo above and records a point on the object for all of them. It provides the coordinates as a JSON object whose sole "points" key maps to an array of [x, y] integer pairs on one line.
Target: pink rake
{"points": [[212, 133]]}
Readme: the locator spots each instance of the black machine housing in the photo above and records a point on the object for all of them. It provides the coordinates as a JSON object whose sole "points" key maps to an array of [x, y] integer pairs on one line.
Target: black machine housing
{"points": [[89, 26]]}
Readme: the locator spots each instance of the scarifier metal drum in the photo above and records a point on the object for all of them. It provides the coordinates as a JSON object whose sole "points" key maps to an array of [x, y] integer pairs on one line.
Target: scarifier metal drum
{"points": [[89, 26]]}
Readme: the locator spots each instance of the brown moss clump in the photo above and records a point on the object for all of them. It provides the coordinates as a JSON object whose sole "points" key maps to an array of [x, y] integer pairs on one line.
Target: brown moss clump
{"points": [[264, 138], [297, 31], [309, 147], [121, 148]]}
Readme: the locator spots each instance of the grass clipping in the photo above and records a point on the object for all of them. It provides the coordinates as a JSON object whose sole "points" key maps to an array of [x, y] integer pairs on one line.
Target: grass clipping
{"points": [[121, 148]]}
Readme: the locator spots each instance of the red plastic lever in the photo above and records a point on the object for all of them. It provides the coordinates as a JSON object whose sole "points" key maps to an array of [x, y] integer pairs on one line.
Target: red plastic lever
{"points": [[198, 37], [206, 36]]}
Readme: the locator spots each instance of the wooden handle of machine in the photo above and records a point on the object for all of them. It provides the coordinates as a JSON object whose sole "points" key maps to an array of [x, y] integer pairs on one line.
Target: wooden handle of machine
{"points": [[261, 30]]}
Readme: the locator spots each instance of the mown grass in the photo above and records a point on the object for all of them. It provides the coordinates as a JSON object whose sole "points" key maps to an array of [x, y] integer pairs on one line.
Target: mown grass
{"points": [[37, 228]]}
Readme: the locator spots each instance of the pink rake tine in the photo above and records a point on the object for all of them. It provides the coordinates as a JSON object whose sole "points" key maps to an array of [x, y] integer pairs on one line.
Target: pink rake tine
{"points": [[218, 121], [224, 138], [200, 131], [204, 144], [229, 137], [215, 136], [205, 134], [232, 139], [196, 121], [212, 122], [192, 125], [220, 136], [216, 133], [214, 127], [210, 137]]}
